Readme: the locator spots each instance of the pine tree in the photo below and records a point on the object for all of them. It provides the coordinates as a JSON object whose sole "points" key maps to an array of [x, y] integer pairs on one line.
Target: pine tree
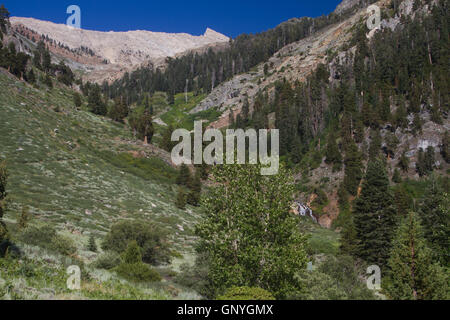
{"points": [[332, 153], [429, 160], [396, 177], [403, 202], [245, 113], [95, 103], [119, 110], [167, 143], [193, 197], [420, 164], [391, 144], [77, 100], [46, 61], [353, 168], [375, 145], [445, 147], [348, 239], [417, 124], [184, 176], [435, 215], [181, 199], [401, 117], [31, 77], [92, 246], [146, 129], [48, 81], [374, 215], [403, 162], [359, 131], [413, 275]]}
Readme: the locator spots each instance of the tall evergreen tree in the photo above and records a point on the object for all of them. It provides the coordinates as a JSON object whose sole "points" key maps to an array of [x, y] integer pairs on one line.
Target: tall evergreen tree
{"points": [[353, 168], [445, 147], [92, 246], [95, 102], [184, 176], [375, 144], [119, 110], [332, 153], [435, 215], [167, 143], [413, 275], [403, 162], [193, 197], [374, 215], [181, 199]]}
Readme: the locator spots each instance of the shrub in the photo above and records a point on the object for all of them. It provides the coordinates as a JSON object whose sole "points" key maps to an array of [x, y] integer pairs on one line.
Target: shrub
{"points": [[246, 293], [107, 260], [150, 239], [63, 245], [322, 198], [132, 254], [139, 272], [46, 237]]}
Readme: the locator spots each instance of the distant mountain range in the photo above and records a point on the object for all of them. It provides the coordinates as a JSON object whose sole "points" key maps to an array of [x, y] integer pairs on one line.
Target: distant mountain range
{"points": [[108, 54]]}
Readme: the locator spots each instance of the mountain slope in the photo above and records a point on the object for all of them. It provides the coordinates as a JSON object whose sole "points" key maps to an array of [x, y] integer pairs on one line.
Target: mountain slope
{"points": [[120, 50]]}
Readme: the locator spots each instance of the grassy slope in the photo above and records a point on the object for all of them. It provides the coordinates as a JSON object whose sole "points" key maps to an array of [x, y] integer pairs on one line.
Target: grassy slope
{"points": [[65, 164]]}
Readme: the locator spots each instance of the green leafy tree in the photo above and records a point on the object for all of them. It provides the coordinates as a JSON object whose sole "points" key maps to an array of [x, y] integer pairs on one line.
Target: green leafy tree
{"points": [[374, 215], [246, 293], [413, 275], [249, 236]]}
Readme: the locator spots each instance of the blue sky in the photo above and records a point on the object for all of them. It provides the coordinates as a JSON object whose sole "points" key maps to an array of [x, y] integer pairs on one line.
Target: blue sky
{"points": [[231, 17]]}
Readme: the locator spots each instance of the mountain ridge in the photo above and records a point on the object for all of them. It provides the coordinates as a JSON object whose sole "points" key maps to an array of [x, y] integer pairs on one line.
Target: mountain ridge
{"points": [[120, 50]]}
